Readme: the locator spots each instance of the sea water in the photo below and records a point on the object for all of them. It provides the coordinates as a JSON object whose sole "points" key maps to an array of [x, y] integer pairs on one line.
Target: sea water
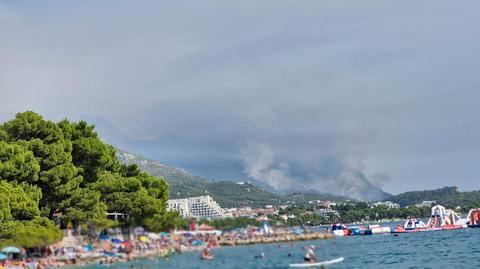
{"points": [[439, 249]]}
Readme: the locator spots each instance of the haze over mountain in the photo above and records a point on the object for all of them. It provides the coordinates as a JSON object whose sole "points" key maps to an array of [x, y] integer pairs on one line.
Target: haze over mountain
{"points": [[156, 148], [227, 193]]}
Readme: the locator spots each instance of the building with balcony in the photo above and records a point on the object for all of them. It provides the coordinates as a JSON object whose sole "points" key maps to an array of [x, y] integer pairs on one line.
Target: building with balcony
{"points": [[197, 207]]}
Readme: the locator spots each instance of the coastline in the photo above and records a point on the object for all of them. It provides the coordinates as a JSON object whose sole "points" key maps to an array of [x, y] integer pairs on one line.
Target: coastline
{"points": [[157, 252], [277, 239]]}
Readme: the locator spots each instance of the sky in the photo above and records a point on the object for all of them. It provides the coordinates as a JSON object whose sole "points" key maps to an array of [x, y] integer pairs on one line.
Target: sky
{"points": [[312, 94]]}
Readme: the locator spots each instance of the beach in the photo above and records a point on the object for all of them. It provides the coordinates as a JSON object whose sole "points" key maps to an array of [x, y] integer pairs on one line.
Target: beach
{"points": [[110, 250], [421, 250]]}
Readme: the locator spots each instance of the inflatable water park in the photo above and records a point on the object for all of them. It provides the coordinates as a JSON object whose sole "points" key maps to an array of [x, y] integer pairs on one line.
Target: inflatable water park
{"points": [[473, 218], [440, 219]]}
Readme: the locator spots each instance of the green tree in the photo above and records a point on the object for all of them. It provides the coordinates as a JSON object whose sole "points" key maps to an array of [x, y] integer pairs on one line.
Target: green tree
{"points": [[137, 197], [17, 163], [71, 173], [20, 221], [163, 222], [84, 205]]}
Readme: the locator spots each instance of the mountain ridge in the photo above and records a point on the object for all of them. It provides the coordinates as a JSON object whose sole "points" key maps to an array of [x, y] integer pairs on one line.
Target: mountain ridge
{"points": [[227, 193], [446, 196], [212, 167]]}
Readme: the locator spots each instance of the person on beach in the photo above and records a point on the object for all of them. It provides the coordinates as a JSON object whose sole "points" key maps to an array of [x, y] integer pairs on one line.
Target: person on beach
{"points": [[310, 255]]}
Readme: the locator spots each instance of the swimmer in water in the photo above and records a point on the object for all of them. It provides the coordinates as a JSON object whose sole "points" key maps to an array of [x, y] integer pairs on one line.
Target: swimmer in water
{"points": [[206, 255], [261, 256]]}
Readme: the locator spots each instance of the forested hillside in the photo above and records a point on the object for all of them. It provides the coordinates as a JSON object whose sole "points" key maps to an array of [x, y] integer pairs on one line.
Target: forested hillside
{"points": [[447, 196], [227, 193]]}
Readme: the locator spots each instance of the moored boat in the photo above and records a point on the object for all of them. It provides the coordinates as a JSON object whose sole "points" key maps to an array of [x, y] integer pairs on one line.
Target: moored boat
{"points": [[341, 230], [377, 229]]}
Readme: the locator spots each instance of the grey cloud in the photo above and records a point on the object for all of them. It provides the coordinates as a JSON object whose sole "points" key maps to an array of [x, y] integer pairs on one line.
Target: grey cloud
{"points": [[306, 94]]}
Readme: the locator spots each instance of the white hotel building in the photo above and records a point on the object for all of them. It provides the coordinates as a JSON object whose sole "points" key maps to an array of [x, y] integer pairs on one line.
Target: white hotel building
{"points": [[197, 207]]}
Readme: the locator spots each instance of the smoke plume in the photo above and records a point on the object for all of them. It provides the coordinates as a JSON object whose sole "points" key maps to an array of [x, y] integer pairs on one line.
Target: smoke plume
{"points": [[336, 168]]}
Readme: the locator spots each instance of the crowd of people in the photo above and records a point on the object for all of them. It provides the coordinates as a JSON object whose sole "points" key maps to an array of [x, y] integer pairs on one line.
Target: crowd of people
{"points": [[110, 250]]}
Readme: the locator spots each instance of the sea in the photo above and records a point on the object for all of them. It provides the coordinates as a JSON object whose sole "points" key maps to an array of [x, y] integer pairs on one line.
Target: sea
{"points": [[438, 249]]}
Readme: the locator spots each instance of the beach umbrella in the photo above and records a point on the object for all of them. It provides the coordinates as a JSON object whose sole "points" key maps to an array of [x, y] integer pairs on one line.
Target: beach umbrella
{"points": [[165, 234], [139, 230], [10, 249], [153, 236], [116, 241], [3, 256], [197, 243], [104, 237], [187, 234], [89, 247], [143, 238]]}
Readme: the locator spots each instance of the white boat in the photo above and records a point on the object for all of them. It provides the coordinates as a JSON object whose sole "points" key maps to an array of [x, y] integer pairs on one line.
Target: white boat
{"points": [[316, 264]]}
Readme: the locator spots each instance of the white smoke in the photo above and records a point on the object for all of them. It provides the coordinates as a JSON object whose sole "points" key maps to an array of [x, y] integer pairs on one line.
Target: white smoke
{"points": [[337, 168], [379, 179], [259, 163]]}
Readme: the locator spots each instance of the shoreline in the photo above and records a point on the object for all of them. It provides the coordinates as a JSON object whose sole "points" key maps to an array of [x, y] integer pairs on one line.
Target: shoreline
{"points": [[166, 253], [277, 239]]}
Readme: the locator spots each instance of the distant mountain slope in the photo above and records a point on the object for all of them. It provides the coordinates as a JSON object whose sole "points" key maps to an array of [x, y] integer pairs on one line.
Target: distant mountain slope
{"points": [[447, 196], [184, 151], [172, 174], [227, 193]]}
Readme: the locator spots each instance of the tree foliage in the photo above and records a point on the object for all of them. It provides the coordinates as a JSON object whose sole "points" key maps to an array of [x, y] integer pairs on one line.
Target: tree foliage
{"points": [[163, 222], [64, 170], [20, 221], [348, 212], [354, 212], [447, 196]]}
